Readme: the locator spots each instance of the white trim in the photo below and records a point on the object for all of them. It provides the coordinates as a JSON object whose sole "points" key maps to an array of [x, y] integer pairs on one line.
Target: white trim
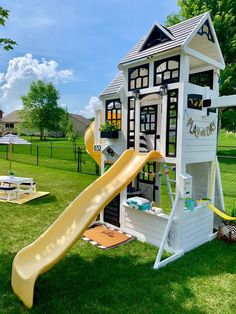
{"points": [[194, 32], [223, 101], [204, 58], [170, 259]]}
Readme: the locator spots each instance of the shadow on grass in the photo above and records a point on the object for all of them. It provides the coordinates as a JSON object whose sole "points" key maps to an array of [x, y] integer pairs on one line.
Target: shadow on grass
{"points": [[119, 281], [50, 198]]}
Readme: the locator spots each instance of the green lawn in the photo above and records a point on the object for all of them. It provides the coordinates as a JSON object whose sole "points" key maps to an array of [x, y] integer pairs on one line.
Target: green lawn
{"points": [[89, 280]]}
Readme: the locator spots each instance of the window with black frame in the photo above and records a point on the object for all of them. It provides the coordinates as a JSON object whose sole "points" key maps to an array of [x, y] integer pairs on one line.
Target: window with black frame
{"points": [[113, 111], [171, 125], [202, 78], [131, 123], [148, 118], [138, 77], [166, 71]]}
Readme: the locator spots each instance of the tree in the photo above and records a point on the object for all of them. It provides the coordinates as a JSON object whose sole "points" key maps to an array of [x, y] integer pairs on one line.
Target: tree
{"points": [[40, 109], [228, 119], [223, 13], [72, 134], [6, 43]]}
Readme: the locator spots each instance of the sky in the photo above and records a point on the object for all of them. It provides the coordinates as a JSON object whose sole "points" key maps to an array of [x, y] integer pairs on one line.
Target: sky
{"points": [[75, 44]]}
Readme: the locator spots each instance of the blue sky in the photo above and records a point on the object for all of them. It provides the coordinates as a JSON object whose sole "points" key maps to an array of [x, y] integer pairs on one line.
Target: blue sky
{"points": [[75, 44]]}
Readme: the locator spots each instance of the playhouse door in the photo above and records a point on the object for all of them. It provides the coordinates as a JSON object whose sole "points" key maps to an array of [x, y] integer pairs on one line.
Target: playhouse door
{"points": [[112, 212]]}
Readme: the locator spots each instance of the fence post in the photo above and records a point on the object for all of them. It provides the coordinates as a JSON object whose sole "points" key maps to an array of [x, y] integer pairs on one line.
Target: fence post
{"points": [[6, 152], [37, 155], [79, 160], [96, 169], [75, 150], [51, 149]]}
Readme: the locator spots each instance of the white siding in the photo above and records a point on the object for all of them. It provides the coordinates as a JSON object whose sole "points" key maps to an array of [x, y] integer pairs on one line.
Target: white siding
{"points": [[196, 227], [146, 227]]}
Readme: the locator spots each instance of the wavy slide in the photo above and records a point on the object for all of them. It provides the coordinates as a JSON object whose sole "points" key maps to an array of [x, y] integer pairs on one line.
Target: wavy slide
{"points": [[220, 213], [52, 245]]}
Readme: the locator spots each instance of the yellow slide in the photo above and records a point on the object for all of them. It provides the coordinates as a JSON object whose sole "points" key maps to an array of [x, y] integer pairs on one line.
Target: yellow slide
{"points": [[51, 246], [89, 141], [220, 213]]}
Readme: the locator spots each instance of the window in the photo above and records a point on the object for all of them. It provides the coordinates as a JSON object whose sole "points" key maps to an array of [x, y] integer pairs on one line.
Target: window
{"points": [[113, 111], [206, 31], [166, 71], [156, 37], [131, 122], [138, 77], [148, 118], [171, 125], [9, 125], [202, 78]]}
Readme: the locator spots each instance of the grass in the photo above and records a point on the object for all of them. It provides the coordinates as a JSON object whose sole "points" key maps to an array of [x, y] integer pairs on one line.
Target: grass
{"points": [[89, 280]]}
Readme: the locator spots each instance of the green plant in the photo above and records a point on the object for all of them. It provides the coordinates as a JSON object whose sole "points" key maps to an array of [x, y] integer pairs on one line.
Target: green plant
{"points": [[233, 212], [11, 172], [109, 127]]}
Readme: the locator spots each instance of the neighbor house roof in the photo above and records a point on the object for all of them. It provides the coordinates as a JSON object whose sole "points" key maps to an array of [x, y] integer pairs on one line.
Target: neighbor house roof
{"points": [[180, 32], [11, 117], [80, 118], [115, 85]]}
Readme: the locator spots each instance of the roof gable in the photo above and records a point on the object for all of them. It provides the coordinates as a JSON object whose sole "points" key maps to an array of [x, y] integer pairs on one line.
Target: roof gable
{"points": [[209, 44], [180, 33], [158, 35]]}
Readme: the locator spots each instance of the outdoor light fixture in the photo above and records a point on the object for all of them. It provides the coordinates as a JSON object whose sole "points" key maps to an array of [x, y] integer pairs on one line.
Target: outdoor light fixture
{"points": [[163, 90], [136, 93]]}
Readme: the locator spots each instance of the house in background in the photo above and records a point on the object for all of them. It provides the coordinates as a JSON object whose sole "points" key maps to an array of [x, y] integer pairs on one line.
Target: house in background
{"points": [[11, 123], [79, 123]]}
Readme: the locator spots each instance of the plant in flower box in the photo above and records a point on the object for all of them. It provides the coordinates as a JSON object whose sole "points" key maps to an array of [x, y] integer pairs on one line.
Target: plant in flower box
{"points": [[109, 130]]}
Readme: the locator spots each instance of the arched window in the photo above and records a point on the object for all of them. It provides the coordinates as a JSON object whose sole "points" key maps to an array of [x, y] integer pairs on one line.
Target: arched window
{"points": [[166, 71], [113, 111], [138, 77]]}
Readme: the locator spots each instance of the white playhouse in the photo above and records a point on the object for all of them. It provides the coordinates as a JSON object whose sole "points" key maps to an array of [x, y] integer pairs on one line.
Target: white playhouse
{"points": [[165, 98]]}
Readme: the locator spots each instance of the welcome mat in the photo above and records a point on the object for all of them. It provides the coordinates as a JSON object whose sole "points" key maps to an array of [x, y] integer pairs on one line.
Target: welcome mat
{"points": [[23, 198], [104, 237]]}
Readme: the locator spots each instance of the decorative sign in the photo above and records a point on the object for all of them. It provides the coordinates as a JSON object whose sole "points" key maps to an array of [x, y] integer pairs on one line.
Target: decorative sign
{"points": [[199, 131], [195, 101], [97, 148]]}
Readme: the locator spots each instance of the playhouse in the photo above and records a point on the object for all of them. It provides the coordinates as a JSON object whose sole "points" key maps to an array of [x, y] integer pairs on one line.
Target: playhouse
{"points": [[164, 103], [165, 98]]}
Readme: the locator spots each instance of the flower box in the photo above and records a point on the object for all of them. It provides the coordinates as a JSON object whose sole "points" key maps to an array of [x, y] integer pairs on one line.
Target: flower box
{"points": [[110, 134]]}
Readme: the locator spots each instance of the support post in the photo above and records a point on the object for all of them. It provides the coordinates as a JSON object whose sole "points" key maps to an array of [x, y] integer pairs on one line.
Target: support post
{"points": [[166, 232]]}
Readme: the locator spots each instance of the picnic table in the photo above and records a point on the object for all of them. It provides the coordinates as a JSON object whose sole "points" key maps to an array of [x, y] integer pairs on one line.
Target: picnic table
{"points": [[13, 186]]}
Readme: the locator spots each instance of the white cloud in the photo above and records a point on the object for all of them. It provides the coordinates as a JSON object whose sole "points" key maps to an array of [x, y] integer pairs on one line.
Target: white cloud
{"points": [[89, 110], [21, 72]]}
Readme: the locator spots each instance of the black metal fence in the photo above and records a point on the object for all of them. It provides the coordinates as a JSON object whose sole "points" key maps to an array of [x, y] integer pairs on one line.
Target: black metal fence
{"points": [[71, 158]]}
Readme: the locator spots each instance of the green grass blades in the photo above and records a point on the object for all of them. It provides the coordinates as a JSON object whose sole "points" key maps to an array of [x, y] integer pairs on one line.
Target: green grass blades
{"points": [[89, 280]]}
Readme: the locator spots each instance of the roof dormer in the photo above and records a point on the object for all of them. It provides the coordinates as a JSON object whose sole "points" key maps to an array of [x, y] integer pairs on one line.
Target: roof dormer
{"points": [[158, 35]]}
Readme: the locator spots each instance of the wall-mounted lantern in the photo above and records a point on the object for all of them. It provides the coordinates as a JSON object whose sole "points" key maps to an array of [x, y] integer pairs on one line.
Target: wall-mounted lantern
{"points": [[136, 93], [163, 90]]}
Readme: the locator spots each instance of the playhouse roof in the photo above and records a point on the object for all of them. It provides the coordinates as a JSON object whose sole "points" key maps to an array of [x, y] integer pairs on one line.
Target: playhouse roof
{"points": [[114, 85], [180, 32]]}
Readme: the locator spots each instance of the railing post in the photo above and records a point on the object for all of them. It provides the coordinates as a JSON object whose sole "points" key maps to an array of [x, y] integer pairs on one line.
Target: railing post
{"points": [[37, 155]]}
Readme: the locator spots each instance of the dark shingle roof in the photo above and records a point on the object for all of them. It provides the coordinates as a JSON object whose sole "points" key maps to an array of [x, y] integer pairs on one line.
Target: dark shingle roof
{"points": [[115, 85], [180, 32]]}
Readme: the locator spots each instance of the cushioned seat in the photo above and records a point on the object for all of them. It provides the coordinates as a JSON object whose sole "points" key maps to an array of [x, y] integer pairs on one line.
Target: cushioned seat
{"points": [[10, 190]]}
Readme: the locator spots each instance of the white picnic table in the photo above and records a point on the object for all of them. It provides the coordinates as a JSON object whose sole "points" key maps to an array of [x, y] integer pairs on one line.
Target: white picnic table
{"points": [[17, 181]]}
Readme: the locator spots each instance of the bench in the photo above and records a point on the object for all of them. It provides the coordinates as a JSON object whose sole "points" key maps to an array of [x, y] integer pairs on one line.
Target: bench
{"points": [[9, 190], [31, 185]]}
